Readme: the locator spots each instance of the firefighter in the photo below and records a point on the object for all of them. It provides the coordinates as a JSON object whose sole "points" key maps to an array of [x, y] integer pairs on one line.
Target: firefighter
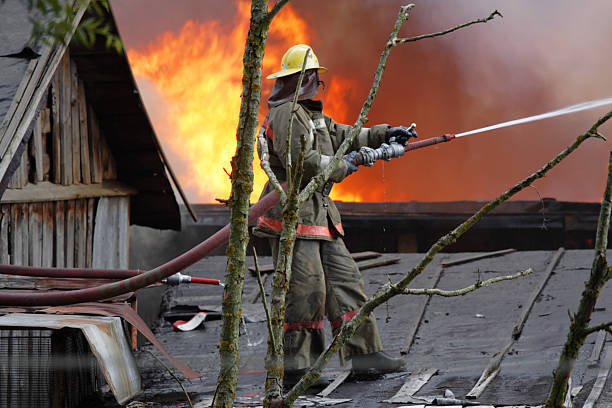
{"points": [[325, 279]]}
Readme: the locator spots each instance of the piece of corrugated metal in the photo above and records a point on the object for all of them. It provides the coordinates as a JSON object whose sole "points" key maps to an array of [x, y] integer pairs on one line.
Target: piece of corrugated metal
{"points": [[107, 341]]}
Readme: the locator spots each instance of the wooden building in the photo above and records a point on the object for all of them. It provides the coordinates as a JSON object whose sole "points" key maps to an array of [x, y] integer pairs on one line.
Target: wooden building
{"points": [[79, 160], [79, 163]]}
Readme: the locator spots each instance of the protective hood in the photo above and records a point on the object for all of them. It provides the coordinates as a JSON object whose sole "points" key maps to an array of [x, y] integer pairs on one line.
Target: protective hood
{"points": [[284, 88]]}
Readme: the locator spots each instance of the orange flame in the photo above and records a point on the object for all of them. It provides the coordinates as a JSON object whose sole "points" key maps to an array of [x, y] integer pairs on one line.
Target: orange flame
{"points": [[196, 74]]}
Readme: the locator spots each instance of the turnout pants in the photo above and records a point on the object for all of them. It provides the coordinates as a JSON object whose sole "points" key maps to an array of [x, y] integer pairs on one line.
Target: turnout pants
{"points": [[325, 281]]}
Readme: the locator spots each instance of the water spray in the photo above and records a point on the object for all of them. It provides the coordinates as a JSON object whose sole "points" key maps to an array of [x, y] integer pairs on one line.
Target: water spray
{"points": [[368, 156]]}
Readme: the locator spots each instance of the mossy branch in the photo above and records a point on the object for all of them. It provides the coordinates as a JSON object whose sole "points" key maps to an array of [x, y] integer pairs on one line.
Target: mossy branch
{"points": [[467, 289], [450, 30], [288, 169], [262, 291]]}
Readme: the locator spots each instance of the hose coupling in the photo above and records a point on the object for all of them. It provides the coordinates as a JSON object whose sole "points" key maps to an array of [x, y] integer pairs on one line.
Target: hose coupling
{"points": [[385, 152]]}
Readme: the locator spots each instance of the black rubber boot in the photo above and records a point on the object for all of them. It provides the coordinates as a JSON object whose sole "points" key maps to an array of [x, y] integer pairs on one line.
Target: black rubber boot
{"points": [[377, 363], [291, 377]]}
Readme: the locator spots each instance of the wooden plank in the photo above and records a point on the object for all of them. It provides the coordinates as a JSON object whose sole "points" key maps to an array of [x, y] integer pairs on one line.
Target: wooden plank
{"points": [[76, 126], [23, 220], [478, 257], [15, 240], [5, 211], [424, 301], [45, 120], [494, 365], [123, 231], [80, 233], [60, 236], [91, 205], [35, 234], [83, 130], [414, 383], [104, 243], [69, 233], [56, 147], [47, 234], [16, 99], [600, 382], [37, 149], [24, 169], [46, 191], [334, 384], [520, 323], [94, 151], [373, 263], [66, 123], [601, 339]]}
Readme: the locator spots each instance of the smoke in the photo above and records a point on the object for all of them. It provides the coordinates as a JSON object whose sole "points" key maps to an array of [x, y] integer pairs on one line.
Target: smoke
{"points": [[541, 56]]}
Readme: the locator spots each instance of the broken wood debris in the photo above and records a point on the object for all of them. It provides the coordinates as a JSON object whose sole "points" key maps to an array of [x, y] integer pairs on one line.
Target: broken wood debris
{"points": [[600, 382], [340, 378], [414, 327], [494, 365], [478, 257], [414, 383]]}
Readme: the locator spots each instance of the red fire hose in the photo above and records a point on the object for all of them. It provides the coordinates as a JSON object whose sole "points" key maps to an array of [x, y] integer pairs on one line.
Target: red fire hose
{"points": [[137, 279]]}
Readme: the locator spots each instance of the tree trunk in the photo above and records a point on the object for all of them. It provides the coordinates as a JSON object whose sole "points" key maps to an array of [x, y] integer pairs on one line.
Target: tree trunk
{"points": [[580, 321], [242, 186]]}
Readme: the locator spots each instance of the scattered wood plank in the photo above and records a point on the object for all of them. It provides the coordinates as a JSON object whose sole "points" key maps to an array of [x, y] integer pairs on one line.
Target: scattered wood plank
{"points": [[520, 323], [35, 232], [334, 384], [76, 126], [424, 301], [83, 130], [373, 263], [478, 257], [19, 94], [601, 339], [55, 130], [60, 236], [494, 365], [600, 382], [47, 234], [414, 383]]}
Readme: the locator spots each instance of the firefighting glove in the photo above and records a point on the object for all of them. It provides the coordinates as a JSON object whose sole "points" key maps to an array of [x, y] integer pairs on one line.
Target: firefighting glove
{"points": [[350, 166], [400, 134]]}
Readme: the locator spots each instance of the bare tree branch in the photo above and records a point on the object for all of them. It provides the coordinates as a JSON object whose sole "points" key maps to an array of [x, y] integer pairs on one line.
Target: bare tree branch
{"points": [[288, 170], [450, 30], [603, 326], [466, 290], [277, 7], [263, 300], [264, 158]]}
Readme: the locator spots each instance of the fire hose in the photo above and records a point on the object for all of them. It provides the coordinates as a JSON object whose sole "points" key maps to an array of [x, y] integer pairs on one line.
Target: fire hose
{"points": [[136, 279]]}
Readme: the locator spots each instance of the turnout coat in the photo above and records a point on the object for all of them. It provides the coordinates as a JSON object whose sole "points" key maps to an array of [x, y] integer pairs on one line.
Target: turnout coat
{"points": [[318, 218]]}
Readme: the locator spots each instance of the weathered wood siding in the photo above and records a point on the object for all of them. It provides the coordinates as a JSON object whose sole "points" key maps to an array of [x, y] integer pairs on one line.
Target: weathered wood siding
{"points": [[67, 145], [67, 148]]}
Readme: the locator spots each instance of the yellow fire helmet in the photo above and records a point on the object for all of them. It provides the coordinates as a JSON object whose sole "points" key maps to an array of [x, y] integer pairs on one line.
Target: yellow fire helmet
{"points": [[293, 59]]}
